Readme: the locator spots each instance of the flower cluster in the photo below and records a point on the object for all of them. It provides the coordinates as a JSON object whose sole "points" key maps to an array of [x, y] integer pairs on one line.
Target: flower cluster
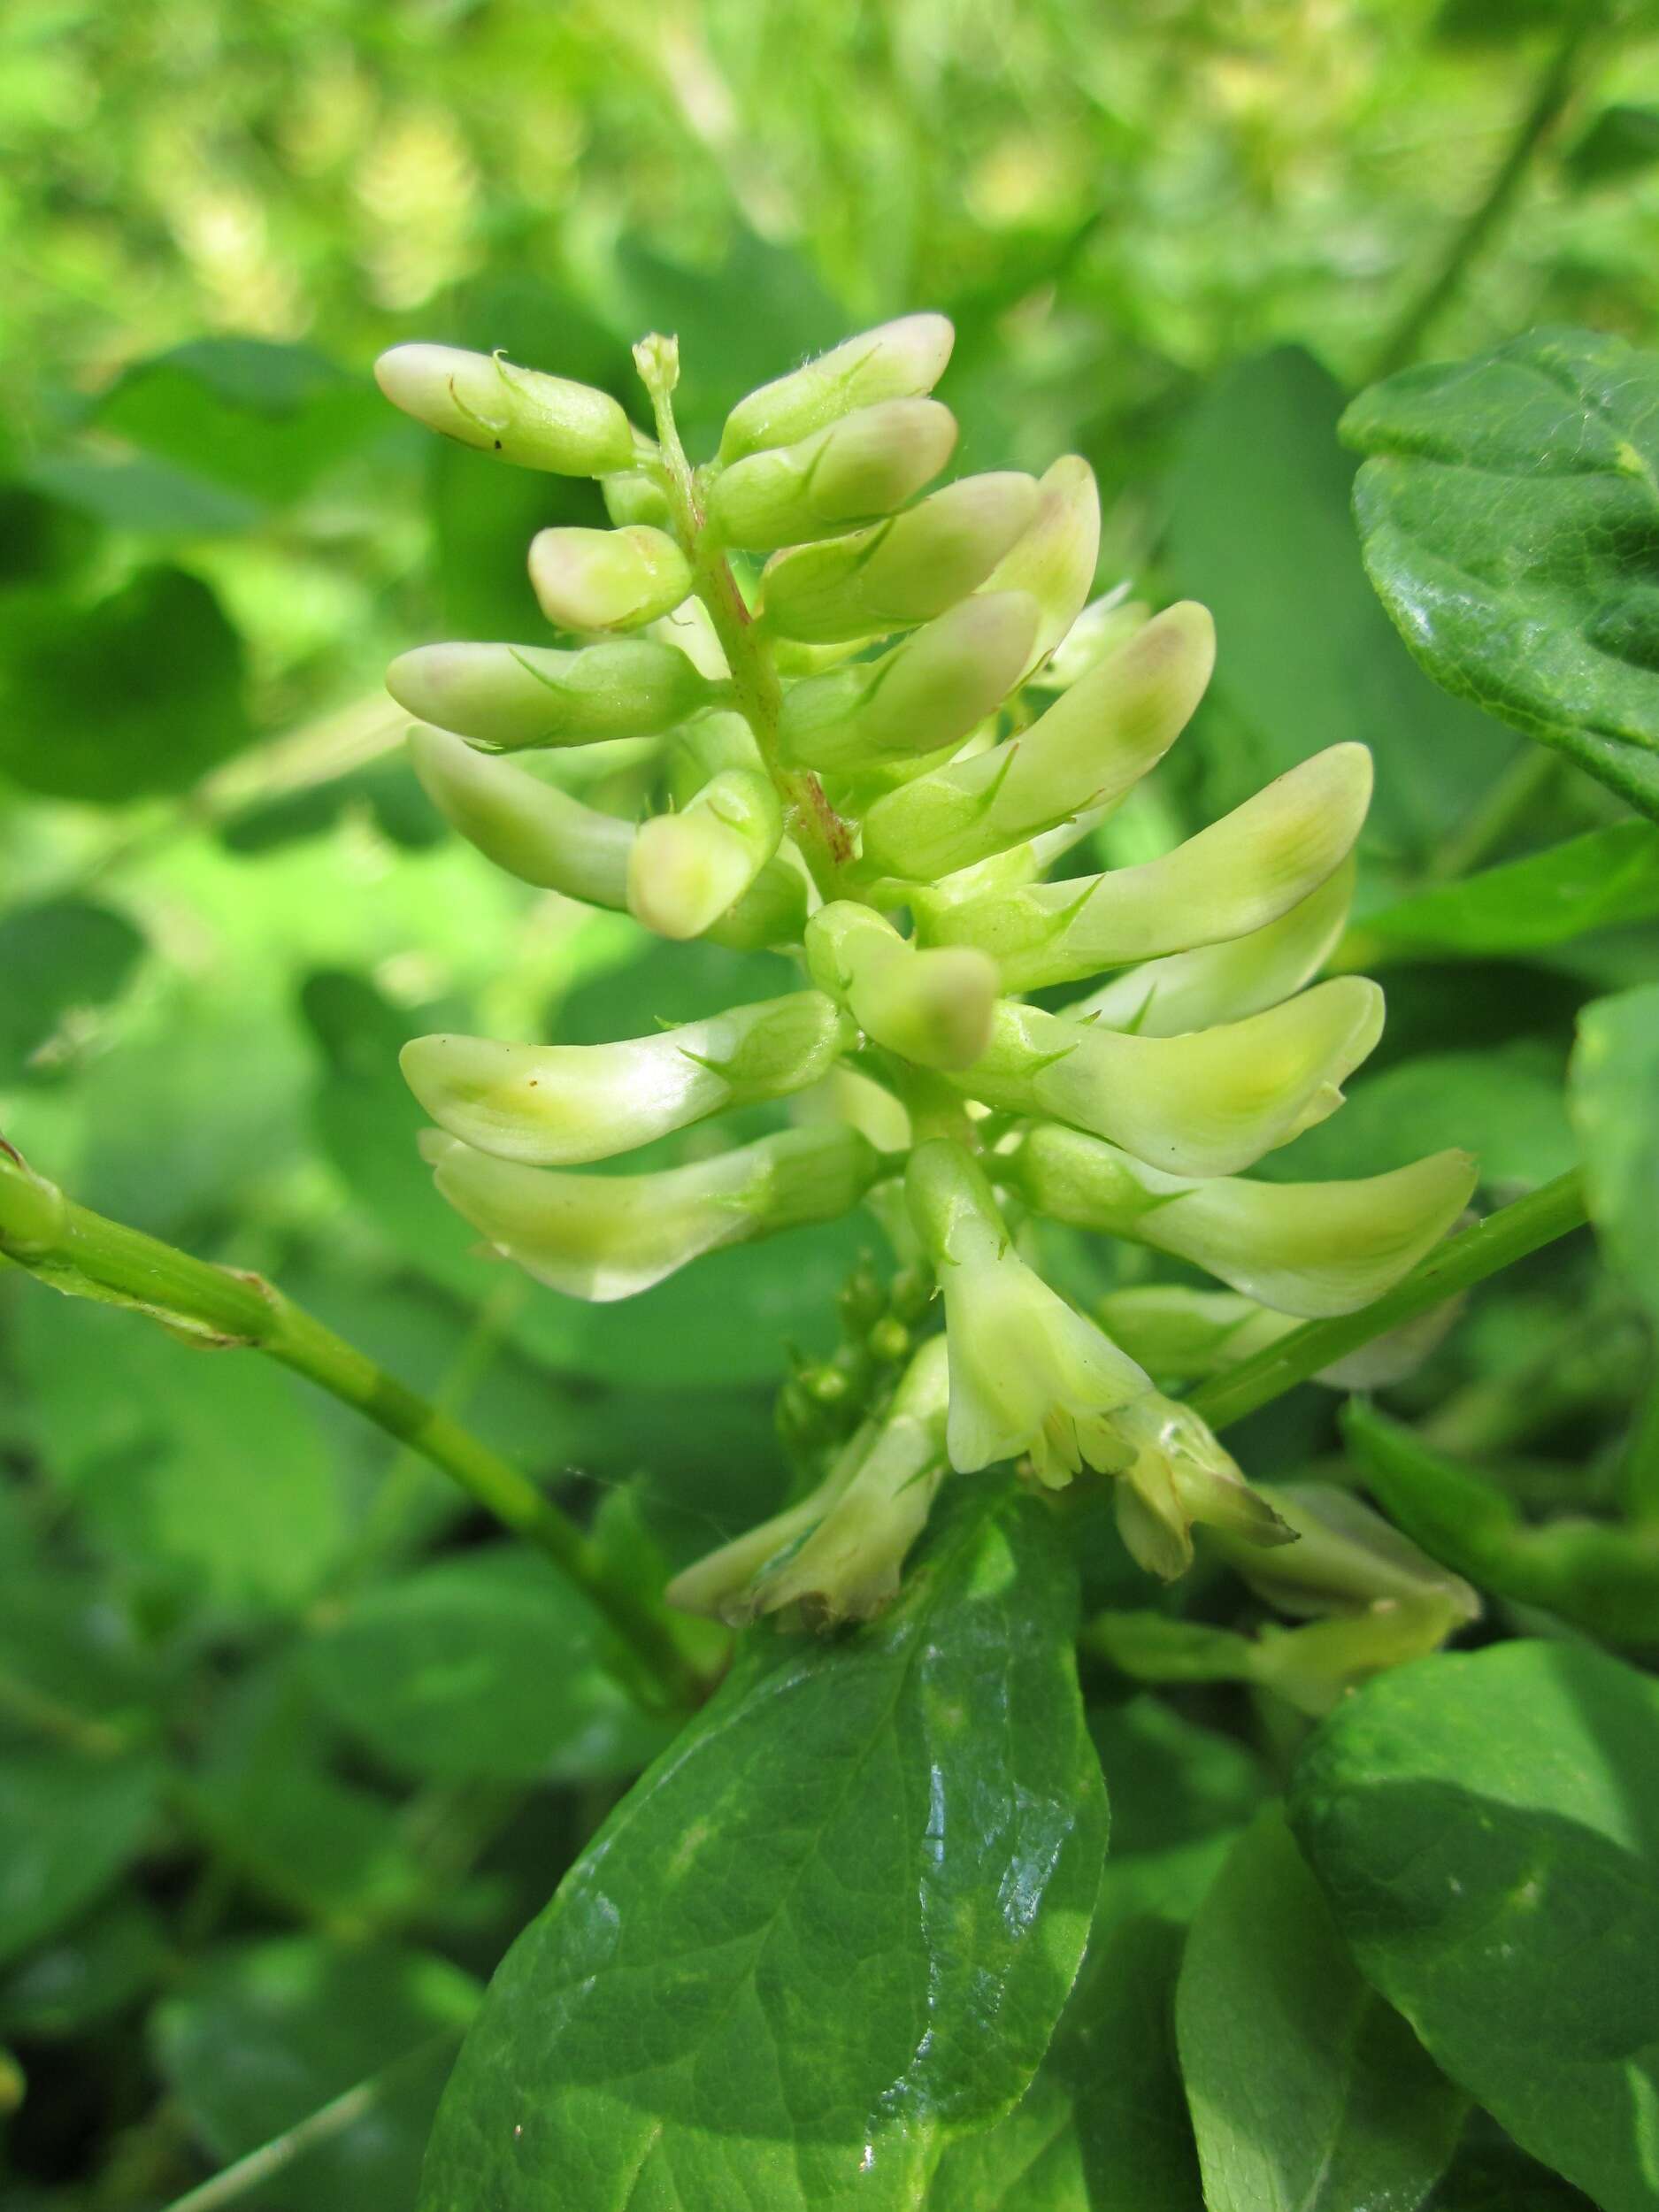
{"points": [[840, 673]]}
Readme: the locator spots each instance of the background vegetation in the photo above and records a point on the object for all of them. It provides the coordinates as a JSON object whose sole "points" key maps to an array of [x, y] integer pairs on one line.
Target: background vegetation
{"points": [[340, 1741]]}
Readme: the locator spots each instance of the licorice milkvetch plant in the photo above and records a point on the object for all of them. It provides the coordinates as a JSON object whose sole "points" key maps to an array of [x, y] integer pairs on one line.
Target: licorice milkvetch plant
{"points": [[882, 716]]}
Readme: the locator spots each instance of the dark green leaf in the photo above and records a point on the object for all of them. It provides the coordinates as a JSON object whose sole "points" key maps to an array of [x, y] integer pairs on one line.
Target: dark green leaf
{"points": [[42, 541], [1509, 515], [263, 2035], [262, 420], [69, 1822], [59, 959], [86, 1974], [1606, 877], [205, 1469], [845, 1909], [1615, 1099], [1103, 2127], [1487, 1831], [328, 1850], [1619, 142], [139, 694], [485, 1665], [1260, 530], [1308, 2092], [1501, 2178]]}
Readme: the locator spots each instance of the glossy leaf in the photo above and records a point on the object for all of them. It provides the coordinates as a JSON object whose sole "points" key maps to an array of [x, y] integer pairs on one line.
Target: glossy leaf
{"points": [[480, 1665], [844, 1911], [1103, 2127], [1326, 2100], [1614, 1100], [1509, 509], [1486, 1828]]}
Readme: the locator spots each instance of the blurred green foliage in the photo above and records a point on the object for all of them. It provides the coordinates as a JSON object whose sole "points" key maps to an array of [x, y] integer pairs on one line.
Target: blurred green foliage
{"points": [[1175, 236]]}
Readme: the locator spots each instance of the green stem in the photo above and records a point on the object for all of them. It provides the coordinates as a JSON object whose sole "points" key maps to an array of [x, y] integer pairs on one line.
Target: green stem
{"points": [[824, 839], [1504, 1237], [1493, 816], [1550, 97], [85, 1254]]}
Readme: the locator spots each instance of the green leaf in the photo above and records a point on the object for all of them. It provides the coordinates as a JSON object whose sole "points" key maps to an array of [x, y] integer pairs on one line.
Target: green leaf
{"points": [[1509, 515], [843, 1912], [1500, 2178], [1486, 1828], [256, 418], [1103, 2127], [1607, 876], [1327, 2100], [1180, 1794], [86, 1974], [1505, 1105], [1614, 1093], [1260, 530], [480, 1665], [60, 960], [69, 1822], [325, 1850], [204, 1469], [263, 2035], [1619, 142], [136, 695]]}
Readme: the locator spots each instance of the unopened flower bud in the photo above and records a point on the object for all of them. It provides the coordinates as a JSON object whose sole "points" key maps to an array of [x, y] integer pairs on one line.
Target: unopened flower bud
{"points": [[1055, 559], [1305, 1249], [904, 570], [1223, 983], [603, 1237], [1175, 1473], [607, 580], [562, 1105], [898, 360], [855, 470], [934, 1009], [539, 835], [539, 422], [688, 869], [1090, 748], [926, 693], [509, 697], [1236, 876], [1205, 1104], [1029, 1375]]}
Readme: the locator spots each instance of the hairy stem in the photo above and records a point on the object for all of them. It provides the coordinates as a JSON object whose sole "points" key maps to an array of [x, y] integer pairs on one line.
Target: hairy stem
{"points": [[84, 1254], [1491, 1245]]}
